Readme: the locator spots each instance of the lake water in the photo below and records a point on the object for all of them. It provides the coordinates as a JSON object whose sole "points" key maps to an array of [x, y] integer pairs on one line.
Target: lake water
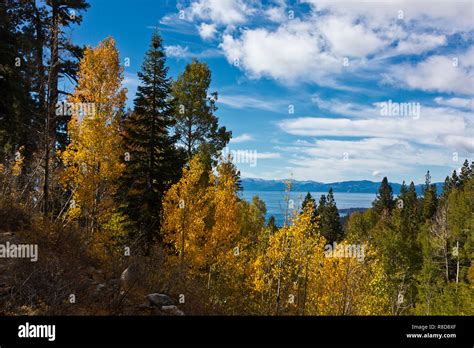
{"points": [[275, 202]]}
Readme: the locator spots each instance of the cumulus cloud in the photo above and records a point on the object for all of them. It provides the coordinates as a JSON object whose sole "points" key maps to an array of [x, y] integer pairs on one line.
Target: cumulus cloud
{"points": [[411, 45], [241, 138], [224, 12], [435, 126], [415, 43], [177, 51], [312, 46], [439, 73], [349, 39], [446, 15], [207, 31], [292, 52]]}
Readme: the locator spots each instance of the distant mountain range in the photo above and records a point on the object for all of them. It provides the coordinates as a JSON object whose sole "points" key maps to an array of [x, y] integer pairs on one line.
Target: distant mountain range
{"points": [[362, 186]]}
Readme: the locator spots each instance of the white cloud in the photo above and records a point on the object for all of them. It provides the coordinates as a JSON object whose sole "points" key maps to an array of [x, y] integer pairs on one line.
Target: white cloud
{"points": [[177, 51], [224, 12], [463, 103], [346, 109], [311, 47], [241, 138], [348, 39], [439, 73], [435, 126], [292, 52], [180, 52], [448, 15], [377, 173], [241, 101], [415, 43], [464, 143], [207, 31], [268, 155], [336, 160], [277, 14]]}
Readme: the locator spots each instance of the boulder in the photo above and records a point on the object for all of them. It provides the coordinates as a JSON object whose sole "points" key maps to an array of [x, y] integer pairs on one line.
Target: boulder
{"points": [[173, 310], [159, 300]]}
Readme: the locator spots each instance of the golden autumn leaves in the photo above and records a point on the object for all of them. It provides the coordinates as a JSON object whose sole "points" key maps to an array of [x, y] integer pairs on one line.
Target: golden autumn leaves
{"points": [[210, 232], [283, 273], [92, 159]]}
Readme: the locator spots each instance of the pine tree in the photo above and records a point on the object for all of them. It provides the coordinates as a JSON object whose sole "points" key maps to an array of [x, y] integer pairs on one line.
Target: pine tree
{"points": [[307, 200], [49, 22], [16, 103], [465, 174], [446, 188], [411, 201], [322, 204], [430, 199], [403, 190], [331, 227], [455, 180], [384, 201], [152, 161], [196, 124]]}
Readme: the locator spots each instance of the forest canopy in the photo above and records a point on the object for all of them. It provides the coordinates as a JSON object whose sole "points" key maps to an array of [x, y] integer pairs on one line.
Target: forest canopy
{"points": [[125, 202]]}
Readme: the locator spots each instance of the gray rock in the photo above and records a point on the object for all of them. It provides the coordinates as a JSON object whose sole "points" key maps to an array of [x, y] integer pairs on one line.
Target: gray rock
{"points": [[173, 310], [159, 300]]}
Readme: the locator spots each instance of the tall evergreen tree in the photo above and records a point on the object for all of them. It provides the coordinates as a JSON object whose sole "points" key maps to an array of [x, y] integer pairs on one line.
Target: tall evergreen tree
{"points": [[465, 174], [384, 200], [151, 158], [446, 188], [196, 124], [403, 189], [322, 204], [49, 22], [307, 200], [430, 199], [455, 183], [16, 102], [331, 227]]}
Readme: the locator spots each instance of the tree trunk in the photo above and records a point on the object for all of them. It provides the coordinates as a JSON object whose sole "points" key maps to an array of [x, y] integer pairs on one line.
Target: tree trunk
{"points": [[457, 265], [305, 286], [278, 296], [52, 100]]}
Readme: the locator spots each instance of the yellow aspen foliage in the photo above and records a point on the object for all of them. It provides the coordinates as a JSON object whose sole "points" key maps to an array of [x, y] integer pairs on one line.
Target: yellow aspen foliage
{"points": [[201, 221], [222, 240], [281, 273], [186, 211], [297, 275], [92, 160], [348, 284]]}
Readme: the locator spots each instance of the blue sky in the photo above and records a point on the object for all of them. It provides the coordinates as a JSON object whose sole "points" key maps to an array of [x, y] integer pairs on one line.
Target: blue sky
{"points": [[313, 87]]}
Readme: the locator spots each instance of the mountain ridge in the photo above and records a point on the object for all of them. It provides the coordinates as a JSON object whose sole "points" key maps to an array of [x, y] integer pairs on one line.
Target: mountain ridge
{"points": [[351, 186]]}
